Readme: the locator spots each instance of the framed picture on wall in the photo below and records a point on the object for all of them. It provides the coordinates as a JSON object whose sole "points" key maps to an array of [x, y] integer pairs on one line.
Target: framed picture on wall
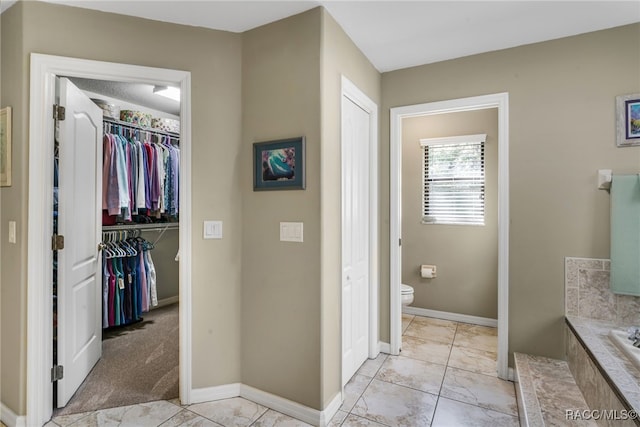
{"points": [[5, 147], [628, 120], [279, 165]]}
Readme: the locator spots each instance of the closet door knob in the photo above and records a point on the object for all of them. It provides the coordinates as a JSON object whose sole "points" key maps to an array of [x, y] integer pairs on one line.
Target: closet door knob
{"points": [[101, 246]]}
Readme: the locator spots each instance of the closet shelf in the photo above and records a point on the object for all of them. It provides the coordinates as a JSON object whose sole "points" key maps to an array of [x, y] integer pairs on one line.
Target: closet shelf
{"points": [[145, 129], [153, 226]]}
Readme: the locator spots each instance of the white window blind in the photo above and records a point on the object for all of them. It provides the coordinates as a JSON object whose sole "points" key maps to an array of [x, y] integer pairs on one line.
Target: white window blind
{"points": [[454, 180]]}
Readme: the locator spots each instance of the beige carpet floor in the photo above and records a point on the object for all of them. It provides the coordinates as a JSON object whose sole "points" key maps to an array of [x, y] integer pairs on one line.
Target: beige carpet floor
{"points": [[139, 364]]}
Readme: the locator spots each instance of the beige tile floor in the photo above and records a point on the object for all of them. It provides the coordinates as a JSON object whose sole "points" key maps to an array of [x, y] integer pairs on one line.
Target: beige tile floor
{"points": [[445, 376]]}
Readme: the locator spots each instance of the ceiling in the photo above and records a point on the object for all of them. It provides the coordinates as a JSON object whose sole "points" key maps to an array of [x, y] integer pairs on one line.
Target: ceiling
{"points": [[397, 34], [136, 93]]}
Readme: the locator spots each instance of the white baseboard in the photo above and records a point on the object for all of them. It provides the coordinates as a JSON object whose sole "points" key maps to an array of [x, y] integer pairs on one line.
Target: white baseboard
{"points": [[166, 301], [271, 401], [330, 410], [280, 404], [220, 392], [385, 347], [464, 318], [10, 419]]}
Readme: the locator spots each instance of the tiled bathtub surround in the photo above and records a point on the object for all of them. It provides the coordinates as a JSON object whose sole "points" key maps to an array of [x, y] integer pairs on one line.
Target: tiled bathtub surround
{"points": [[592, 310], [546, 389], [593, 372], [588, 295]]}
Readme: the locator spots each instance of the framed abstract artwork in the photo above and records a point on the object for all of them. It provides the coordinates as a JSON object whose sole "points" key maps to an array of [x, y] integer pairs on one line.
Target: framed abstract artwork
{"points": [[628, 120], [279, 165]]}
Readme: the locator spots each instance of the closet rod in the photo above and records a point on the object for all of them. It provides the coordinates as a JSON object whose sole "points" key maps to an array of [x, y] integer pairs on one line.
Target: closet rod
{"points": [[158, 226], [138, 127]]}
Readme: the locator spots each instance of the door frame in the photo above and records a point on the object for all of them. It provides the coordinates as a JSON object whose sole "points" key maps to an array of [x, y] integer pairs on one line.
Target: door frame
{"points": [[44, 70], [397, 114], [350, 91]]}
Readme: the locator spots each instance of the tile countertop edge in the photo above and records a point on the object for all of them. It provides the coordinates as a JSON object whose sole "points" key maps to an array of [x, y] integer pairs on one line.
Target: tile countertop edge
{"points": [[621, 375]]}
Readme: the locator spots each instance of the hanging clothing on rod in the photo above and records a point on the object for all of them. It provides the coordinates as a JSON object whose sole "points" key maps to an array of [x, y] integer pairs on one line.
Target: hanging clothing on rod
{"points": [[129, 278], [141, 175]]}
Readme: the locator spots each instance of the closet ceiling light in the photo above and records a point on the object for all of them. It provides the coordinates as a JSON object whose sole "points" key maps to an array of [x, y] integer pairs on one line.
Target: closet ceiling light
{"points": [[167, 92]]}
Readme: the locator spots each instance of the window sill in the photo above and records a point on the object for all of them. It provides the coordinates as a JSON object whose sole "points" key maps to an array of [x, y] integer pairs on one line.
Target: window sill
{"points": [[452, 223]]}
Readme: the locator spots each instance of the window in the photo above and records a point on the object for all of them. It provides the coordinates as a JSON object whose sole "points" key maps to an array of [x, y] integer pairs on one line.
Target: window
{"points": [[453, 184]]}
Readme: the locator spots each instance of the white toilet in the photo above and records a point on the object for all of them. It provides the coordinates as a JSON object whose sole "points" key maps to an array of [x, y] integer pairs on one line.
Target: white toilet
{"points": [[407, 294]]}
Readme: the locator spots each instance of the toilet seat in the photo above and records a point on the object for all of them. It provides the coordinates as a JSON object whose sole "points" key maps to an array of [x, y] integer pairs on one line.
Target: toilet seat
{"points": [[407, 294]]}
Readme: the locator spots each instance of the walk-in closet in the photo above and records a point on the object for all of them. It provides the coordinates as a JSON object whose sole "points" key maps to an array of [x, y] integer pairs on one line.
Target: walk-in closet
{"points": [[137, 177]]}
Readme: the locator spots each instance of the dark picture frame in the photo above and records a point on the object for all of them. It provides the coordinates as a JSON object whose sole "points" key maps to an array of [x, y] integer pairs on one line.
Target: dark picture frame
{"points": [[279, 164], [628, 120]]}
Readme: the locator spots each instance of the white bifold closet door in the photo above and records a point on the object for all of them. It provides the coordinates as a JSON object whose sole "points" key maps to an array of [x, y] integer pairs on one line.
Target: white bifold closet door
{"points": [[355, 237], [79, 344]]}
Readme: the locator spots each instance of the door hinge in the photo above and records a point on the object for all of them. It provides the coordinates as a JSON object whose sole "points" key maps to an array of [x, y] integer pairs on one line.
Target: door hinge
{"points": [[58, 112], [399, 242], [57, 242], [57, 372]]}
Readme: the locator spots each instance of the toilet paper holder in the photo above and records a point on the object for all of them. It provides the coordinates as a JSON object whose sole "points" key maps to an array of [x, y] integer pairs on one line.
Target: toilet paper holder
{"points": [[427, 271]]}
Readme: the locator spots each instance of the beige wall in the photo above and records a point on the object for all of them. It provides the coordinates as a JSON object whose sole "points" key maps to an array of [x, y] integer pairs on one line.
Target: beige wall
{"points": [[164, 259], [13, 207], [214, 60], [291, 335], [281, 280], [562, 130], [339, 57], [466, 256]]}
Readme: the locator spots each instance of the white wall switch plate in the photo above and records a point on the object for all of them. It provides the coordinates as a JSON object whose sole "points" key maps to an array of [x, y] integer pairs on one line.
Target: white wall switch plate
{"points": [[291, 232], [212, 230], [12, 232]]}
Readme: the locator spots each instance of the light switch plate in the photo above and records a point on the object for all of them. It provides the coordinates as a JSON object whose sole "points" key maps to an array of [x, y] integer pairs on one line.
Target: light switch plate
{"points": [[291, 232], [12, 232], [212, 230]]}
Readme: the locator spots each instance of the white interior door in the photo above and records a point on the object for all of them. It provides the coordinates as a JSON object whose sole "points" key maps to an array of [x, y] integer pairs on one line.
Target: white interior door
{"points": [[79, 221], [355, 237]]}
